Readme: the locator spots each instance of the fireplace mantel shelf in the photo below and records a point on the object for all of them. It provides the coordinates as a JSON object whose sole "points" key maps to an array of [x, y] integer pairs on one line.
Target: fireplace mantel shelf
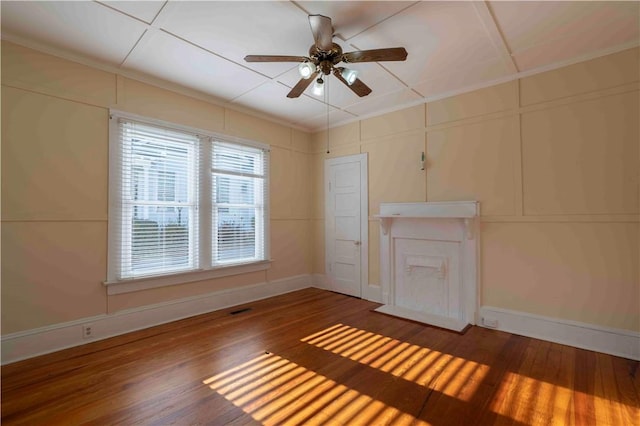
{"points": [[463, 210], [434, 209]]}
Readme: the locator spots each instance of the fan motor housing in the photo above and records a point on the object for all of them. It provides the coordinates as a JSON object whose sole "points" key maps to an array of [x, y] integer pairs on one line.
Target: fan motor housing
{"points": [[333, 56]]}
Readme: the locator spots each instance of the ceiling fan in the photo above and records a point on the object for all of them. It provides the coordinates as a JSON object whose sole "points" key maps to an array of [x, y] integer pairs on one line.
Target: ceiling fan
{"points": [[325, 55]]}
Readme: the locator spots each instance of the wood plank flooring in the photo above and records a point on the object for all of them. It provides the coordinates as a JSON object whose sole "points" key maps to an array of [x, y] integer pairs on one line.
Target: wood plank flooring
{"points": [[316, 357]]}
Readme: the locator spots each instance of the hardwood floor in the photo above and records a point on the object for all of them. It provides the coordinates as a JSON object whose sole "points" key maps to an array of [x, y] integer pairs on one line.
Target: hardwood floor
{"points": [[316, 357]]}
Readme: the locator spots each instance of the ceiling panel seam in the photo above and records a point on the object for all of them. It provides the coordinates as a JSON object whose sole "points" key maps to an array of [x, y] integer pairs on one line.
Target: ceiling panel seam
{"points": [[496, 36]]}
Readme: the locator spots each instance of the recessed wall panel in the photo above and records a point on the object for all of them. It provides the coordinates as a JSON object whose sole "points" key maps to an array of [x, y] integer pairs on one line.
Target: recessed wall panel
{"points": [[597, 74], [479, 102], [54, 158], [32, 70], [151, 101], [394, 122], [585, 272], [582, 158], [394, 170], [52, 272], [475, 162]]}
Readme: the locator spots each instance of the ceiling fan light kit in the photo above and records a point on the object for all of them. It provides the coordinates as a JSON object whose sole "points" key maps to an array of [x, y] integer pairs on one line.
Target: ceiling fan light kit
{"points": [[306, 69], [350, 76], [318, 87], [323, 57]]}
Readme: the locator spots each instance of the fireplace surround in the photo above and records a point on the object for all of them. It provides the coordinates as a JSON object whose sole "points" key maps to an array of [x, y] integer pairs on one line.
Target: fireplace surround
{"points": [[429, 260]]}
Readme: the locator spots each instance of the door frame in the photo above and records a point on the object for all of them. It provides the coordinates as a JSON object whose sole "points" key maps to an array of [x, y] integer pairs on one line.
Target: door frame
{"points": [[364, 218]]}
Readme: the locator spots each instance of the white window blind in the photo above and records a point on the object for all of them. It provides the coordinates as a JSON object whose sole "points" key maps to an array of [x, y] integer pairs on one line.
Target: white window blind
{"points": [[239, 195], [183, 204], [159, 199]]}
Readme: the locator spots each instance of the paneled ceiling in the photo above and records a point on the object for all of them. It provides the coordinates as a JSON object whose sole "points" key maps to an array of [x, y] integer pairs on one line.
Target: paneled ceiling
{"points": [[200, 45]]}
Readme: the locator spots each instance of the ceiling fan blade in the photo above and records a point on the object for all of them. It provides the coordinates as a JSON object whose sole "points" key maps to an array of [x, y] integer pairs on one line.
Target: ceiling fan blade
{"points": [[274, 58], [301, 86], [358, 87], [375, 55], [322, 31]]}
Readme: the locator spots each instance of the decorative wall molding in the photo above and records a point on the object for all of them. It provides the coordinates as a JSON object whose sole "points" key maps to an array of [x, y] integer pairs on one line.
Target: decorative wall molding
{"points": [[43, 340], [611, 341], [143, 78]]}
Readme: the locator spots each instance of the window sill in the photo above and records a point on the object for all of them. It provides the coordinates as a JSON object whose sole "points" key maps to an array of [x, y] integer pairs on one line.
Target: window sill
{"points": [[145, 283]]}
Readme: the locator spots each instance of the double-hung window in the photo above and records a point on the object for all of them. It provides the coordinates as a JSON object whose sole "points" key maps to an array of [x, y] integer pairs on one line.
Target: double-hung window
{"points": [[185, 205], [238, 188]]}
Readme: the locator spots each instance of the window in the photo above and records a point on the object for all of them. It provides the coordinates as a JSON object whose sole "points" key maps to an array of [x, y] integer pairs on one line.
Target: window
{"points": [[238, 185], [183, 201], [158, 200]]}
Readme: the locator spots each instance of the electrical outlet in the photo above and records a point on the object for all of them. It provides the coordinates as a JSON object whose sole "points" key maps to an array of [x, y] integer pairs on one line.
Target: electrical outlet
{"points": [[87, 331], [490, 322]]}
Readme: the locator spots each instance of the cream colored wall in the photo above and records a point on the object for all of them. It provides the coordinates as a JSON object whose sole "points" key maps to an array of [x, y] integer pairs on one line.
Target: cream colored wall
{"points": [[553, 158], [55, 183]]}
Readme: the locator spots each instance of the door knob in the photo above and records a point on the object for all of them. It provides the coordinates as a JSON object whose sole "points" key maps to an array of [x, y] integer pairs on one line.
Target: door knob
{"points": [[356, 243]]}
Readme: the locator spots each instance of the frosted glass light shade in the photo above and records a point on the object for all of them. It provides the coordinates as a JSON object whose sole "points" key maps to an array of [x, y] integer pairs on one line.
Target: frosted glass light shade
{"points": [[306, 69], [318, 87], [349, 76]]}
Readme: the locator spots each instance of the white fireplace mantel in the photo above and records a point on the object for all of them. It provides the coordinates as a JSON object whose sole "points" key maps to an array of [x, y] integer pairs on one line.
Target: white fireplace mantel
{"points": [[465, 210], [428, 261]]}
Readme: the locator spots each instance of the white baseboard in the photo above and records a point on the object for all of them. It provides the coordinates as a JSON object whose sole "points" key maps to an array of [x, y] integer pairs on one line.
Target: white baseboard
{"points": [[611, 341], [319, 281], [373, 293], [31, 343]]}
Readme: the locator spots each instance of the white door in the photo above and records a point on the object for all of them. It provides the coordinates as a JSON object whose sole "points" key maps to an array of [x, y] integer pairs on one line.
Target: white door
{"points": [[346, 218]]}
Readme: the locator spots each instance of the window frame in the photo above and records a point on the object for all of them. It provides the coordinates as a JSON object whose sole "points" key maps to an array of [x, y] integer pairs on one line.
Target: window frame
{"points": [[204, 269]]}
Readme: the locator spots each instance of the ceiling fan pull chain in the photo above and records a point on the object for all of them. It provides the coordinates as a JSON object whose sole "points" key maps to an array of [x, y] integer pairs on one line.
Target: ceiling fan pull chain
{"points": [[326, 101]]}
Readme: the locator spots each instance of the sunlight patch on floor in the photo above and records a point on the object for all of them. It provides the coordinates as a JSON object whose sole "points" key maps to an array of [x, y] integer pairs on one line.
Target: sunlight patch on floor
{"points": [[274, 390], [457, 377], [556, 404]]}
